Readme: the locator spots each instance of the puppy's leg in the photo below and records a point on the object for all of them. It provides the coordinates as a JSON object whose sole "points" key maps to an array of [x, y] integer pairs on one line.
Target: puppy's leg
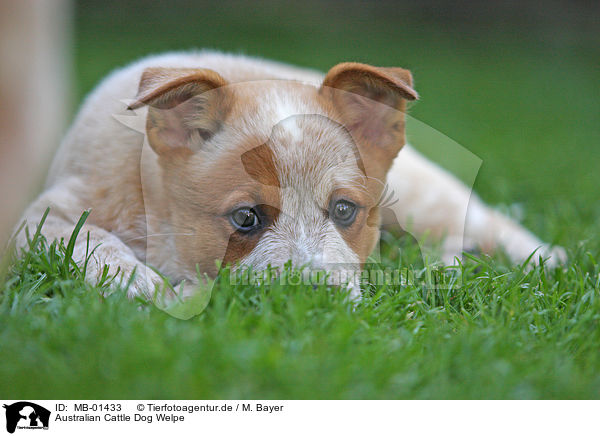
{"points": [[65, 211], [491, 229], [433, 201]]}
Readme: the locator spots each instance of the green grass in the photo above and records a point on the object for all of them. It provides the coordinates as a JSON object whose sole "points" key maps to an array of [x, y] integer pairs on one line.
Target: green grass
{"points": [[526, 102], [502, 333]]}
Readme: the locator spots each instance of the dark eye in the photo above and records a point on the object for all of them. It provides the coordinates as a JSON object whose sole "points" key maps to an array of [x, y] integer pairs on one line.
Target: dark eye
{"points": [[245, 219], [343, 212]]}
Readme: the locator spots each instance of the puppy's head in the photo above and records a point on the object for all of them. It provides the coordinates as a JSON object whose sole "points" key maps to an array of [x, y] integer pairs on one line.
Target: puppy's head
{"points": [[259, 173]]}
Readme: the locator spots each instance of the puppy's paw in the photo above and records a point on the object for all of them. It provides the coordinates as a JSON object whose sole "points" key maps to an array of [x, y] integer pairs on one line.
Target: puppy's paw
{"points": [[122, 269], [140, 280], [553, 256], [144, 282]]}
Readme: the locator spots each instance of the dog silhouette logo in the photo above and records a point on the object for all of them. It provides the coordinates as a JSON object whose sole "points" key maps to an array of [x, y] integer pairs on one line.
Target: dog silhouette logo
{"points": [[26, 415]]}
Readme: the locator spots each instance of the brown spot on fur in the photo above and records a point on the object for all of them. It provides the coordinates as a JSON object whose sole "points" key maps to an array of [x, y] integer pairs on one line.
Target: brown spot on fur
{"points": [[259, 163]]}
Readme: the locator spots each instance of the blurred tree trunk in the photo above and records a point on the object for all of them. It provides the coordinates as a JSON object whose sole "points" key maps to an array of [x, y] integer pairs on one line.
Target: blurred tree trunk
{"points": [[35, 64]]}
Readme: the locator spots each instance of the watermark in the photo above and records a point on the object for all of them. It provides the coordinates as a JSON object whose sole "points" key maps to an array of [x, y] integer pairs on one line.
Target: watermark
{"points": [[430, 277], [25, 415]]}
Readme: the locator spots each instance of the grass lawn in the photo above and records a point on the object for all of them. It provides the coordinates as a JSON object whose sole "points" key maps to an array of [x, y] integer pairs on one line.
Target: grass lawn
{"points": [[527, 103]]}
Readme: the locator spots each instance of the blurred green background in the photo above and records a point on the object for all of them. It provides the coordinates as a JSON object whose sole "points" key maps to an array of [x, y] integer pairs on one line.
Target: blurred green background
{"points": [[514, 82]]}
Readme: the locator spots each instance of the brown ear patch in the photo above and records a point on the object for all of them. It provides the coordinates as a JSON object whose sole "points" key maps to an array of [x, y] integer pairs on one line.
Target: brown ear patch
{"points": [[371, 103], [187, 106], [373, 82], [165, 88]]}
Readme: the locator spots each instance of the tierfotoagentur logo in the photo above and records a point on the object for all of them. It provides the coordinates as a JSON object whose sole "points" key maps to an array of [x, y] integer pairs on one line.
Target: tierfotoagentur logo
{"points": [[24, 415]]}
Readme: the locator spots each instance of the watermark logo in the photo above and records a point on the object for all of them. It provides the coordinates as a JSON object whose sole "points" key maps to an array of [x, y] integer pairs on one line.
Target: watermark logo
{"points": [[24, 415]]}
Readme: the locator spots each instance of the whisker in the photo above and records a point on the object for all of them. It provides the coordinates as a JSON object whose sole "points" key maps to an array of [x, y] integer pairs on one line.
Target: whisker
{"points": [[158, 234]]}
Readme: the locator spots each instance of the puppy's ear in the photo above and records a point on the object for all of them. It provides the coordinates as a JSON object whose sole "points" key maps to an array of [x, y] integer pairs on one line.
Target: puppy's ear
{"points": [[371, 103], [186, 106]]}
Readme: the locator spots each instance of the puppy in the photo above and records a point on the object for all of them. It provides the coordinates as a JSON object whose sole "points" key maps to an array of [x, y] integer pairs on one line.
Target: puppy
{"points": [[186, 159]]}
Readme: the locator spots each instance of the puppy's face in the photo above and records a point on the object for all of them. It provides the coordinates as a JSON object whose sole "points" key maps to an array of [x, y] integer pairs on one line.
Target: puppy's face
{"points": [[260, 173]]}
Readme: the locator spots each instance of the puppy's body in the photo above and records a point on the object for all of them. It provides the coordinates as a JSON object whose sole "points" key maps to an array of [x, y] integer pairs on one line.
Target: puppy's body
{"points": [[163, 205]]}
